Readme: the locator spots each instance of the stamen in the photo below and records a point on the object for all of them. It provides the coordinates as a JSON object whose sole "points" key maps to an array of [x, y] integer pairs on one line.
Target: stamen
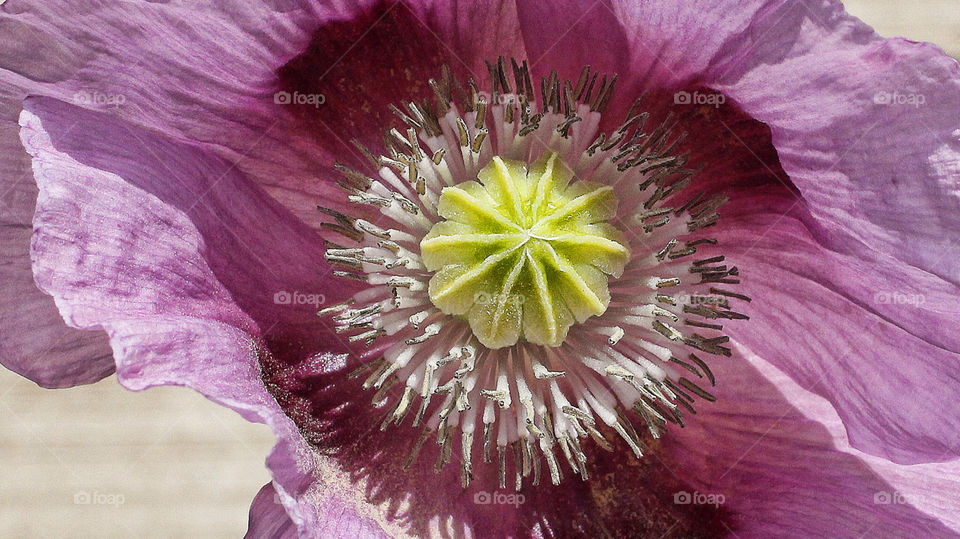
{"points": [[551, 282]]}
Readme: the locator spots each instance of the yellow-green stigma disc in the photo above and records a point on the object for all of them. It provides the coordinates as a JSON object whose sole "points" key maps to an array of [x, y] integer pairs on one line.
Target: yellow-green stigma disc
{"points": [[524, 253]]}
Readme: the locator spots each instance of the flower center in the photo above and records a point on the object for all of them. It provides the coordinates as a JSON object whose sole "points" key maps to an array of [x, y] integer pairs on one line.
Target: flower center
{"points": [[524, 253], [486, 237]]}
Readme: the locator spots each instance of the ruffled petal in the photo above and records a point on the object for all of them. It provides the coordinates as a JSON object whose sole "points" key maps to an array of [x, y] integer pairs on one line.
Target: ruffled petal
{"points": [[932, 488], [781, 473], [178, 257], [270, 264], [204, 72], [268, 518], [760, 447], [326, 504], [869, 332], [871, 335], [34, 341], [215, 73], [337, 518], [650, 44], [867, 129]]}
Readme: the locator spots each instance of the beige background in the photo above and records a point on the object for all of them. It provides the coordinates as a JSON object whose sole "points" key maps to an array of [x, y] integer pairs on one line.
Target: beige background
{"points": [[180, 465]]}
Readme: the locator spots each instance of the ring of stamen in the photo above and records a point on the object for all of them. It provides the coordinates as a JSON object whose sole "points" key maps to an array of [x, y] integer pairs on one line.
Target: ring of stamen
{"points": [[537, 387]]}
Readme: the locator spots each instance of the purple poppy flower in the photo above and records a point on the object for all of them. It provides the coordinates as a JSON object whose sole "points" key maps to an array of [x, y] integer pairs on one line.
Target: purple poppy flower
{"points": [[713, 294]]}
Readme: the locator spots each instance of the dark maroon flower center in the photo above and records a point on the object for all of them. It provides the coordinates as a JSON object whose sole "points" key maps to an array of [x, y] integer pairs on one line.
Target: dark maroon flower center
{"points": [[403, 344]]}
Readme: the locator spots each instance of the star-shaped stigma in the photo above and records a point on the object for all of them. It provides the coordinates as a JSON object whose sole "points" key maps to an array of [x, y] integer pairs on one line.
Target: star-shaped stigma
{"points": [[524, 253]]}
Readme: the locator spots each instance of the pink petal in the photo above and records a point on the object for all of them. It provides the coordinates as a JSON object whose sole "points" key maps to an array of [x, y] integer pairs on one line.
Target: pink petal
{"points": [[865, 330], [268, 518], [763, 446], [34, 341], [177, 257], [871, 335], [932, 488], [777, 467], [210, 72], [661, 44], [877, 176]]}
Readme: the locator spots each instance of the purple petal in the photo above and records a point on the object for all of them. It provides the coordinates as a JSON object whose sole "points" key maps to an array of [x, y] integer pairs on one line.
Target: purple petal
{"points": [[764, 447], [209, 72], [866, 128], [932, 488], [268, 517], [649, 44], [883, 352], [203, 72], [177, 256], [338, 517], [34, 341], [252, 246], [327, 503], [471, 32], [554, 37], [778, 468]]}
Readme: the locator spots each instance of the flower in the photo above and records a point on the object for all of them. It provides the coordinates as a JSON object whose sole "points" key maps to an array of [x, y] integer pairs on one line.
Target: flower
{"points": [[180, 154]]}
